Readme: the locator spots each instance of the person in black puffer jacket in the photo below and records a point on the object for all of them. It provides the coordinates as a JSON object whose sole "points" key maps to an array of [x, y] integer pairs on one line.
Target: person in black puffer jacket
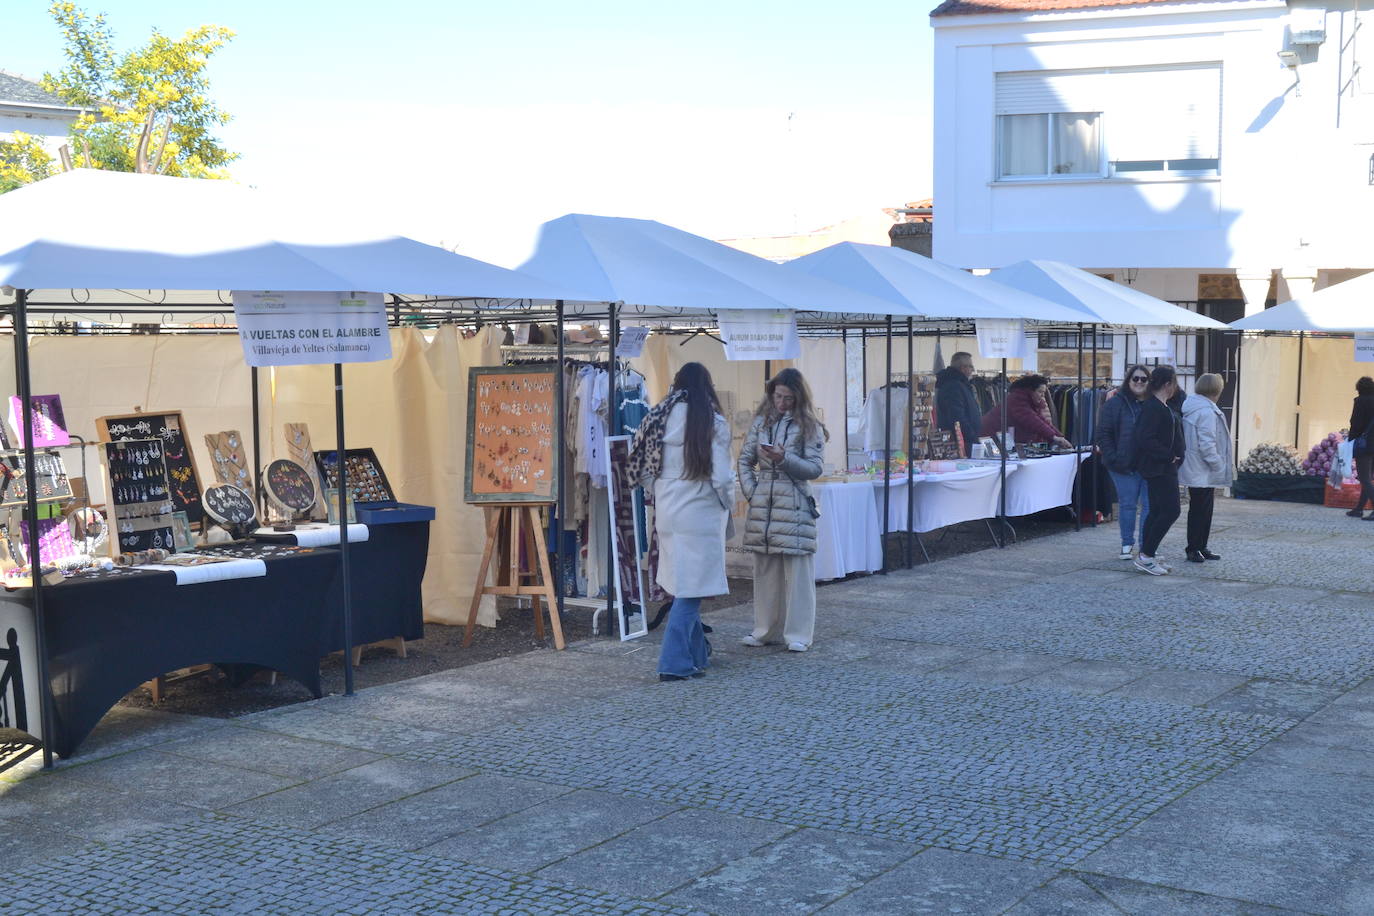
{"points": [[1361, 419], [956, 401], [1116, 444], [1158, 438]]}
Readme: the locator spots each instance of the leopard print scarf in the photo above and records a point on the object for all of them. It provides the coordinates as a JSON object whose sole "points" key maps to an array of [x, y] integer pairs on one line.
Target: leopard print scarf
{"points": [[646, 449]]}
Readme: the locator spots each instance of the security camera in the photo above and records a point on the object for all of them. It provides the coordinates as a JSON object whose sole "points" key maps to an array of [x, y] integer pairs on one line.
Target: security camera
{"points": [[1289, 59]]}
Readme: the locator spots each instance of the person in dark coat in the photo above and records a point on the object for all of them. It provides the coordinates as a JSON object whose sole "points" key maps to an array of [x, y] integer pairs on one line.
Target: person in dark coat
{"points": [[1116, 444], [1027, 413], [1361, 419], [1158, 439], [956, 401]]}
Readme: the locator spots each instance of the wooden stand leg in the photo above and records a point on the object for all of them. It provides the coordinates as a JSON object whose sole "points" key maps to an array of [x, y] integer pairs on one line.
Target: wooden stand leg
{"points": [[546, 575], [480, 589], [399, 646], [530, 519]]}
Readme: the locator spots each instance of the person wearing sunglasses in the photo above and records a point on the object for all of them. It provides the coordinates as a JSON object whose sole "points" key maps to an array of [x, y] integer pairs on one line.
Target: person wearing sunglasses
{"points": [[1116, 445]]}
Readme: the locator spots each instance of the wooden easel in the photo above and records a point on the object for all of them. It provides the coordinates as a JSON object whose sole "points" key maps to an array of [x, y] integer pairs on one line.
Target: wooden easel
{"points": [[521, 522]]}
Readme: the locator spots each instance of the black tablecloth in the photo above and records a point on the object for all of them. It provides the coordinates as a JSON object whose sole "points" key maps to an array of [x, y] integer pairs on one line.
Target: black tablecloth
{"points": [[385, 572], [108, 634]]}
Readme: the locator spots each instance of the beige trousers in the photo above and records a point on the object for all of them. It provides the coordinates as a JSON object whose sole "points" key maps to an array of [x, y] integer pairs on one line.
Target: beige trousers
{"points": [[784, 597]]}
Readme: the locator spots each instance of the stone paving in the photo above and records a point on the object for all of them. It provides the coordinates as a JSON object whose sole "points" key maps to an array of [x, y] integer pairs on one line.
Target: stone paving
{"points": [[1031, 730]]}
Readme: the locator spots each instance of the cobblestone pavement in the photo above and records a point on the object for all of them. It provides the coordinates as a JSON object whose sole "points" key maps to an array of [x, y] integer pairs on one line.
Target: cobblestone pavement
{"points": [[1032, 730]]}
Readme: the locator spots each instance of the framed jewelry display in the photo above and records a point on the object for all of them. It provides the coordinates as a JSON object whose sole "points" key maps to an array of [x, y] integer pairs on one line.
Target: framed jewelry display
{"points": [[50, 473], [140, 501], [289, 487], [367, 481], [182, 479], [510, 456], [331, 502]]}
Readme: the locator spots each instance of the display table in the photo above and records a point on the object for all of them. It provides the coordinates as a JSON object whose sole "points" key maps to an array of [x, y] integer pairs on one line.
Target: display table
{"points": [[108, 633], [1042, 483], [385, 572], [848, 533], [943, 499]]}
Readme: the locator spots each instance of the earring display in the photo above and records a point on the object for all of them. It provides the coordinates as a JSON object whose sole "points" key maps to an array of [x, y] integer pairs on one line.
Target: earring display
{"points": [[182, 480], [50, 476], [231, 507], [367, 482], [298, 450], [140, 500], [230, 458], [49, 423], [289, 487]]}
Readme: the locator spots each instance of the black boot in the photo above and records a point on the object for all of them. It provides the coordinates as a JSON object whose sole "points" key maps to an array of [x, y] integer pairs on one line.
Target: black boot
{"points": [[1194, 556]]}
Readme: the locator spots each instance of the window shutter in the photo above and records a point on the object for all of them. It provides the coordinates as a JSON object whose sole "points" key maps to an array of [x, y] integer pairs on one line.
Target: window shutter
{"points": [[1051, 91]]}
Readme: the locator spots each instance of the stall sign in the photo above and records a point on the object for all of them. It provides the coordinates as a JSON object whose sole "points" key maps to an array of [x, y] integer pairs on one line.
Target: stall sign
{"points": [[631, 343], [280, 328], [1153, 341], [759, 333], [1364, 348], [1001, 338]]}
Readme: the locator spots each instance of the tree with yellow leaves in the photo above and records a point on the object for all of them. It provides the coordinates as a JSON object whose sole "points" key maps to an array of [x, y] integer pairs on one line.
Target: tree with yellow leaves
{"points": [[23, 159], [148, 110]]}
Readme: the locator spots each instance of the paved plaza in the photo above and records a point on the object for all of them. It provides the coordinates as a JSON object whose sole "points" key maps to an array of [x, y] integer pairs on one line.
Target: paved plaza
{"points": [[1039, 729]]}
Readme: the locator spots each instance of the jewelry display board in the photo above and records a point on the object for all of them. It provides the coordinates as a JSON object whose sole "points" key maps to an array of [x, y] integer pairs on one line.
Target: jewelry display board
{"points": [[182, 479], [289, 487], [510, 457], [49, 422], [229, 458], [298, 450], [49, 471], [367, 481], [140, 500], [230, 506]]}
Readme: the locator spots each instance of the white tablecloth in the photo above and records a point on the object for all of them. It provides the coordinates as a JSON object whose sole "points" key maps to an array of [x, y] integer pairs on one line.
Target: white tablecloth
{"points": [[1042, 483], [848, 533], [944, 499], [213, 572], [319, 534]]}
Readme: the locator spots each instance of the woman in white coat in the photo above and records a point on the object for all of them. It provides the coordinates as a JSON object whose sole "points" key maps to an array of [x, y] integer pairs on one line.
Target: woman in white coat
{"points": [[1207, 461], [681, 455]]}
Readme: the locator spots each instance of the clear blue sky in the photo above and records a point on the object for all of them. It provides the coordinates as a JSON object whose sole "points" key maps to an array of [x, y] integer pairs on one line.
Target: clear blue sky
{"points": [[469, 123]]}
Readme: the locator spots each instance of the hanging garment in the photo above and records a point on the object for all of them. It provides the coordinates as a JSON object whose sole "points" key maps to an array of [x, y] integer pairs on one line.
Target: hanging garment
{"points": [[894, 401]]}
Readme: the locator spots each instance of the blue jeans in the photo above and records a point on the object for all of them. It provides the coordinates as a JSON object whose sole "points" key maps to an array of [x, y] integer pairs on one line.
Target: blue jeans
{"points": [[1130, 489], [684, 651]]}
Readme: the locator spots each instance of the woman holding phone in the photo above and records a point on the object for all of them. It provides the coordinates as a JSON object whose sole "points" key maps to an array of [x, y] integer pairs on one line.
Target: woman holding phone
{"points": [[781, 453]]}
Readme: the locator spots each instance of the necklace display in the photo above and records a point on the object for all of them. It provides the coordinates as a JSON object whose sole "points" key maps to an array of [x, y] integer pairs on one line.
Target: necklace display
{"points": [[231, 463], [298, 450]]}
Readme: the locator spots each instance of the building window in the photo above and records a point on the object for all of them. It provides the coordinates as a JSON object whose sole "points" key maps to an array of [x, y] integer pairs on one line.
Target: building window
{"points": [[1058, 143], [1124, 121]]}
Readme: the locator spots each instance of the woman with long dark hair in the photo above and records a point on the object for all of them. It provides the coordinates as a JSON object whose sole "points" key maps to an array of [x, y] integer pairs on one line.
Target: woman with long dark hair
{"points": [[681, 455], [1159, 452], [1362, 424], [783, 451]]}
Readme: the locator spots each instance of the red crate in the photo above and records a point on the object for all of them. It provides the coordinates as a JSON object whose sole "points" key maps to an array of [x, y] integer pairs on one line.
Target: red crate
{"points": [[1344, 498]]}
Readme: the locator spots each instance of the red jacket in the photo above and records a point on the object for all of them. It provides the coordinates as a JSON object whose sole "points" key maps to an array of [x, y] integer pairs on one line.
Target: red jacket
{"points": [[1023, 415]]}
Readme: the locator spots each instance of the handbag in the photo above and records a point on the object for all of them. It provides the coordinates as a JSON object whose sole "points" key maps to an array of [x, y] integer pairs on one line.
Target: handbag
{"points": [[1361, 443]]}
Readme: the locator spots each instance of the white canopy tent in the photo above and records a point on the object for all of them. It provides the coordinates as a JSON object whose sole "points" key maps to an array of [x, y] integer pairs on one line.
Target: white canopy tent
{"points": [[1347, 306], [1097, 300], [95, 230], [657, 269], [932, 289]]}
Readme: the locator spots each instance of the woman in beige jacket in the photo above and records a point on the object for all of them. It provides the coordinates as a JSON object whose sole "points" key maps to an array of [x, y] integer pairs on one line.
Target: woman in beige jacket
{"points": [[782, 452]]}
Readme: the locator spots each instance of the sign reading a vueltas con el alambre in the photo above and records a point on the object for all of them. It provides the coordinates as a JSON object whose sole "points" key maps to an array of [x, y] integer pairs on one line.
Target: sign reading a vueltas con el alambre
{"points": [[303, 328]]}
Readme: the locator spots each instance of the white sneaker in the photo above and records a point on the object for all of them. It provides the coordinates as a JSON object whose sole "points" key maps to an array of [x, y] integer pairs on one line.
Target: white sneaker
{"points": [[1150, 565], [752, 640], [797, 647], [1127, 552]]}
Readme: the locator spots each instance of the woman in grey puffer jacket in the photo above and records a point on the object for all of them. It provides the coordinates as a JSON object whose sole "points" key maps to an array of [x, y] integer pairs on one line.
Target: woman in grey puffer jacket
{"points": [[781, 453]]}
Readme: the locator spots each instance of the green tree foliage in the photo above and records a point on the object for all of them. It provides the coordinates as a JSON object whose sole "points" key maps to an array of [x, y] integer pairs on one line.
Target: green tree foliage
{"points": [[149, 109], [23, 160]]}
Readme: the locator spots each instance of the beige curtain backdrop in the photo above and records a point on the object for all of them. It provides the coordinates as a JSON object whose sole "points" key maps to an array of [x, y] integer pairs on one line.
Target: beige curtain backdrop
{"points": [[1269, 408], [412, 409], [923, 356]]}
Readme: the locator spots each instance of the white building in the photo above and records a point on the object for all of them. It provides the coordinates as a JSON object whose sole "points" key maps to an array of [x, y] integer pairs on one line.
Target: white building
{"points": [[1218, 153], [25, 107]]}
